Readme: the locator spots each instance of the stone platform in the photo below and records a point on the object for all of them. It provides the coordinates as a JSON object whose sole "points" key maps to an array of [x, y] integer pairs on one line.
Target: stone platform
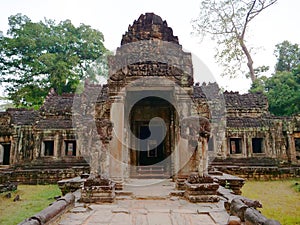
{"points": [[146, 202]]}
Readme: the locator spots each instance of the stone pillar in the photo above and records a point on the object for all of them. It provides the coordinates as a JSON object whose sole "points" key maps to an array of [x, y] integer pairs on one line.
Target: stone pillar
{"points": [[291, 150], [183, 151], [1, 154], [56, 146], [202, 156], [116, 144]]}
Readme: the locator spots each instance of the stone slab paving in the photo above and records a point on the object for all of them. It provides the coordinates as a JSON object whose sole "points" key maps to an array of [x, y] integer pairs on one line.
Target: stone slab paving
{"points": [[149, 205], [146, 212]]}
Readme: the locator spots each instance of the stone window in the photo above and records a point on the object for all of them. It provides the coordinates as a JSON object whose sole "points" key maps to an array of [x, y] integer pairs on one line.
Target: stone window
{"points": [[297, 148], [257, 145], [235, 145], [70, 148], [48, 148]]}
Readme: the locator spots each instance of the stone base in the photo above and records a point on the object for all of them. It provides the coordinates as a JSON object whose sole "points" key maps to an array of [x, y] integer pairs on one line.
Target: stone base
{"points": [[201, 189], [119, 186], [70, 185], [180, 182], [202, 198], [98, 190], [97, 195], [231, 182]]}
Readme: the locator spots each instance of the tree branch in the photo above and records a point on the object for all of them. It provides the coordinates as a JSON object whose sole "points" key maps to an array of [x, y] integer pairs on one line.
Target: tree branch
{"points": [[247, 20]]}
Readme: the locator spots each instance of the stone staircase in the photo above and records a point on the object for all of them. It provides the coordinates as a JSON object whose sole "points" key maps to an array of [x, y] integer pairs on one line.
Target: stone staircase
{"points": [[148, 172]]}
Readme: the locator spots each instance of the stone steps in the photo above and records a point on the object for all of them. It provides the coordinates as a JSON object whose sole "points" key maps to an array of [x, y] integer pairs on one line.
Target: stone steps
{"points": [[149, 172]]}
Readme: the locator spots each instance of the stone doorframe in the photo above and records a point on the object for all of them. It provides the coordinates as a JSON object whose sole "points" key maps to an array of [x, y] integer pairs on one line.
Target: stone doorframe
{"points": [[120, 152]]}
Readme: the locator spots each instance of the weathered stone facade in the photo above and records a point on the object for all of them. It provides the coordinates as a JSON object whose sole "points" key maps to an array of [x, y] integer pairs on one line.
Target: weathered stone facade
{"points": [[150, 76]]}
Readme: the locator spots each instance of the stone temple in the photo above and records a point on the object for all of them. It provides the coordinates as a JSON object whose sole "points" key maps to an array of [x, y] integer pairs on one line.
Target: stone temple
{"points": [[148, 121]]}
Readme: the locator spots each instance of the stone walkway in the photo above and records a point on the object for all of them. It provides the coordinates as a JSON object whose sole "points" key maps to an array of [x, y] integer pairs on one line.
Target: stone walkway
{"points": [[147, 205]]}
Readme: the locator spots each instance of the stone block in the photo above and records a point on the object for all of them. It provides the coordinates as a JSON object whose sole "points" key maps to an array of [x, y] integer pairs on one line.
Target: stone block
{"points": [[202, 198]]}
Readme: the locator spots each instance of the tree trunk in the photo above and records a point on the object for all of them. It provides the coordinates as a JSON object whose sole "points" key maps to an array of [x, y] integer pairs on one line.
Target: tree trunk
{"points": [[249, 61]]}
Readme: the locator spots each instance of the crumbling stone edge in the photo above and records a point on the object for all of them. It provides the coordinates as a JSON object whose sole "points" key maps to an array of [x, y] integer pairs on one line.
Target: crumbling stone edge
{"points": [[244, 209], [52, 212]]}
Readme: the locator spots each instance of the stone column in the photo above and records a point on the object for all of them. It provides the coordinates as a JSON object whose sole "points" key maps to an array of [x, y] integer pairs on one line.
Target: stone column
{"points": [[291, 150], [1, 154], [116, 144], [202, 156]]}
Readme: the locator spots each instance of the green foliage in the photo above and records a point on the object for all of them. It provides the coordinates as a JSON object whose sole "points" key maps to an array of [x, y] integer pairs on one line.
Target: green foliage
{"points": [[34, 198], [282, 88], [288, 56], [35, 56]]}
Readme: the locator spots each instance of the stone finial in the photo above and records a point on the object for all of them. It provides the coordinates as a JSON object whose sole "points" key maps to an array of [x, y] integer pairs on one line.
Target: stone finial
{"points": [[148, 27]]}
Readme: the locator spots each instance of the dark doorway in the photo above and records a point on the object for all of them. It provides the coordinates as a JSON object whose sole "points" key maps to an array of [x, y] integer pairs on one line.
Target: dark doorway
{"points": [[257, 145], [153, 143], [49, 148], [151, 151], [6, 153]]}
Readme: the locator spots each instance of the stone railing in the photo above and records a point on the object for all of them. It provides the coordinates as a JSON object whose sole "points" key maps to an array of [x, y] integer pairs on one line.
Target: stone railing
{"points": [[243, 210], [52, 212]]}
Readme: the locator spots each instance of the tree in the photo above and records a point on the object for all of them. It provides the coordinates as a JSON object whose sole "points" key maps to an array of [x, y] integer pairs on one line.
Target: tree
{"points": [[283, 87], [35, 56], [288, 56], [227, 22]]}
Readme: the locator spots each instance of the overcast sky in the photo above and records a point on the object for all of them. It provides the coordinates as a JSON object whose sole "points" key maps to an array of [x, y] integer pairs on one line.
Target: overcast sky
{"points": [[112, 17]]}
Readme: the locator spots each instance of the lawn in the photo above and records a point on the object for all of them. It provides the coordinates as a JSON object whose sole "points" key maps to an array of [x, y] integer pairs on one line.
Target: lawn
{"points": [[34, 198], [280, 199]]}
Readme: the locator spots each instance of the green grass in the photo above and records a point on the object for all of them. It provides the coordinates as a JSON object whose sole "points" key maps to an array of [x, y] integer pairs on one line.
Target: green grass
{"points": [[280, 199], [34, 198]]}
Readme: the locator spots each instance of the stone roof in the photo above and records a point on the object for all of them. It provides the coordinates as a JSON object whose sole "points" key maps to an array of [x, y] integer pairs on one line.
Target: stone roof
{"points": [[232, 99], [245, 101], [57, 104], [240, 122], [54, 123], [22, 116], [148, 27]]}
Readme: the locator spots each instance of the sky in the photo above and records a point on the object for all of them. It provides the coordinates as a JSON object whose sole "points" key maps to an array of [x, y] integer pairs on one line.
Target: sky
{"points": [[112, 18]]}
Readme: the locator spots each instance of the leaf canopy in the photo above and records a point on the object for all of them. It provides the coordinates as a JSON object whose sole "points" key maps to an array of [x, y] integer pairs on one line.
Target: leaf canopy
{"points": [[36, 56]]}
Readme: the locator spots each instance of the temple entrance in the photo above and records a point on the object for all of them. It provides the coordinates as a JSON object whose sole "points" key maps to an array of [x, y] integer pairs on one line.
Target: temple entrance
{"points": [[152, 138]]}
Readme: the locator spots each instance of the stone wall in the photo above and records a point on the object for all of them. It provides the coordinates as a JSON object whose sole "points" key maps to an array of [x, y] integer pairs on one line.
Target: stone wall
{"points": [[262, 172], [46, 176]]}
